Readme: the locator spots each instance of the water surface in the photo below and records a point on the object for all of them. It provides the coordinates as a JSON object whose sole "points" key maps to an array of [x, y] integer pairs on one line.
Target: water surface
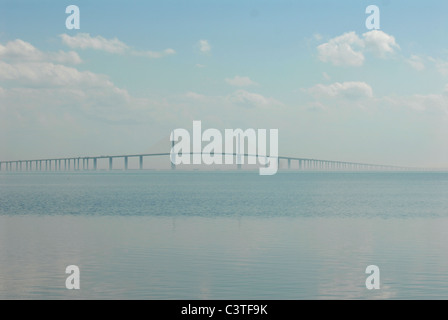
{"points": [[223, 235]]}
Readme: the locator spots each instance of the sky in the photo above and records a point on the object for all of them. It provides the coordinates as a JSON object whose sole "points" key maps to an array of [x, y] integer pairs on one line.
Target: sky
{"points": [[135, 70]]}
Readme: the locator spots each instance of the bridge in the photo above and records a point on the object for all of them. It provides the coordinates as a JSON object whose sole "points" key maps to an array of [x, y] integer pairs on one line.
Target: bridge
{"points": [[89, 163]]}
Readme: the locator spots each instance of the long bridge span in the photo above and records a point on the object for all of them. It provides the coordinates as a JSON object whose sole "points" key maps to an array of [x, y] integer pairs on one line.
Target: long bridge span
{"points": [[91, 163]]}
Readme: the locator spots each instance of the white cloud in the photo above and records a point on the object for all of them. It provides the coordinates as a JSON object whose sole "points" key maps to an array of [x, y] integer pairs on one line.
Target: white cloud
{"points": [[204, 46], [349, 90], [235, 99], [380, 43], [154, 54], [343, 50], [195, 96], [416, 62], [198, 65], [238, 81], [70, 57], [441, 65], [430, 103], [45, 74], [38, 78], [252, 99], [19, 50], [421, 63], [348, 49], [86, 41], [317, 36]]}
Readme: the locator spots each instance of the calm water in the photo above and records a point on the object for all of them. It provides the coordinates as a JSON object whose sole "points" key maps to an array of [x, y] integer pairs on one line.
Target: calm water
{"points": [[218, 235]]}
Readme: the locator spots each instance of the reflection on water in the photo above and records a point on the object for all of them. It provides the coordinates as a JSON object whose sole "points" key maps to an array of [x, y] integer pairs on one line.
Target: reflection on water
{"points": [[224, 235]]}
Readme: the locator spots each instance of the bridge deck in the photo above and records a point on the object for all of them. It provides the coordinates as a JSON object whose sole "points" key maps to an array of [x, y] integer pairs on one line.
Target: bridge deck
{"points": [[74, 163]]}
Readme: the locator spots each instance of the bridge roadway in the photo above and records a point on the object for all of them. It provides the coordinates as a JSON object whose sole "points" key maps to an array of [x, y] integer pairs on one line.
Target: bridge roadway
{"points": [[83, 163]]}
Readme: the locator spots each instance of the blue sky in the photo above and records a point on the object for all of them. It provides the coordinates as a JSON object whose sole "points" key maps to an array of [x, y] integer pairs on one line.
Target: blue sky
{"points": [[137, 69]]}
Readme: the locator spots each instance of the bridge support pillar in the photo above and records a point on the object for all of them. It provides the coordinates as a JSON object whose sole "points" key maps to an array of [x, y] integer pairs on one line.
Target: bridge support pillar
{"points": [[289, 163], [110, 163], [239, 160], [140, 163], [95, 163], [172, 156], [125, 163]]}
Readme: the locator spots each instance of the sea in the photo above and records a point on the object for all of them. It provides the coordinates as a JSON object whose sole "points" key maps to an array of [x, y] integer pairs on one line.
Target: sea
{"points": [[224, 235]]}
